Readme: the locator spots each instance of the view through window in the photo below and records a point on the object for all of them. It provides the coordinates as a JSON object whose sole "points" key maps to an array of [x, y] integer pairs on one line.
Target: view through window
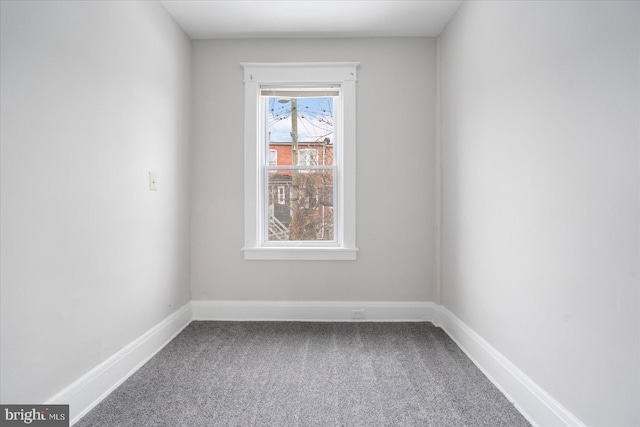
{"points": [[300, 176]]}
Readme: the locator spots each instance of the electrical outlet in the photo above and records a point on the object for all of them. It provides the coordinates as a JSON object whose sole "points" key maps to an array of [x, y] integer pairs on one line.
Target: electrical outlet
{"points": [[357, 314]]}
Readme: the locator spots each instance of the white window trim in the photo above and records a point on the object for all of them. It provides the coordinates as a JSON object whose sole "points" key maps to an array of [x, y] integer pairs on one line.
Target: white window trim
{"points": [[321, 73]]}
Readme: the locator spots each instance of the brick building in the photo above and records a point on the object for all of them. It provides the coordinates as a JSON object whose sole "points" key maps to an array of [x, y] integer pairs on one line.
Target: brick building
{"points": [[315, 195]]}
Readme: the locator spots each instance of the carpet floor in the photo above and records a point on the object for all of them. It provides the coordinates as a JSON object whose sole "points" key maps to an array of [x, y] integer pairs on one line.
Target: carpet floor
{"points": [[307, 374]]}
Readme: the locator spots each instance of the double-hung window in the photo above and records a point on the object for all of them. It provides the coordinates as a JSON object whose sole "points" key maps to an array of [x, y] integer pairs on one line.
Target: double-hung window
{"points": [[300, 161]]}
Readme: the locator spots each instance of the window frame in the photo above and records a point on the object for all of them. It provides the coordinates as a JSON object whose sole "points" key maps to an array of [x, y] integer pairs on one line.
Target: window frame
{"points": [[305, 154], [259, 75], [282, 198], [275, 162]]}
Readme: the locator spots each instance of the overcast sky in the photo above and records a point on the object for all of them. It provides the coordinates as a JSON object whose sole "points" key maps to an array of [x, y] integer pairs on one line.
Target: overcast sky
{"points": [[315, 119]]}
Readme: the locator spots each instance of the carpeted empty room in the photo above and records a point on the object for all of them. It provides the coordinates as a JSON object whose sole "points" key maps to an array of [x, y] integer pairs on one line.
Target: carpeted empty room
{"points": [[300, 213], [307, 374]]}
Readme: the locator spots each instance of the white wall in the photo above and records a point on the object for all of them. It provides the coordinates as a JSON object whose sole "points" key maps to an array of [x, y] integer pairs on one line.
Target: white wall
{"points": [[395, 174], [94, 95], [540, 136]]}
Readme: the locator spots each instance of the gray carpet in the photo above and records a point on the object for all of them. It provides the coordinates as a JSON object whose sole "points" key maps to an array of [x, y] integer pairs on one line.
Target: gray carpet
{"points": [[307, 374]]}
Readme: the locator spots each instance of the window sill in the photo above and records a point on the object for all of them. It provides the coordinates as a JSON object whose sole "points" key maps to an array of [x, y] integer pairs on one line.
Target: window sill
{"points": [[301, 254]]}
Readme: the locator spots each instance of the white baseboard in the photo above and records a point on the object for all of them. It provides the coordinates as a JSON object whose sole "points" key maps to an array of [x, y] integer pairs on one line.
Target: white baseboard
{"points": [[530, 399], [95, 385], [323, 311]]}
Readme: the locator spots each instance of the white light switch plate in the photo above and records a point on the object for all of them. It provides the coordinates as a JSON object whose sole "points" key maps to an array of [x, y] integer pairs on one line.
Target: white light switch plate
{"points": [[153, 181]]}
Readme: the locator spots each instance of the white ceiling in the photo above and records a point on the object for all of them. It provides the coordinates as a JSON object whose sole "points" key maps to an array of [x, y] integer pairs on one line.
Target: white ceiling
{"points": [[207, 19]]}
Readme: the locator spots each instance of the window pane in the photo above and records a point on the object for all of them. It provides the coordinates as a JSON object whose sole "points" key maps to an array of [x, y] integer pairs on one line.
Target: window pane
{"points": [[301, 130], [300, 205]]}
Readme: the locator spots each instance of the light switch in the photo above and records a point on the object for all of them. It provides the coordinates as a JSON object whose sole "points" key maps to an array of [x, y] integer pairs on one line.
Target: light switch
{"points": [[153, 181]]}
